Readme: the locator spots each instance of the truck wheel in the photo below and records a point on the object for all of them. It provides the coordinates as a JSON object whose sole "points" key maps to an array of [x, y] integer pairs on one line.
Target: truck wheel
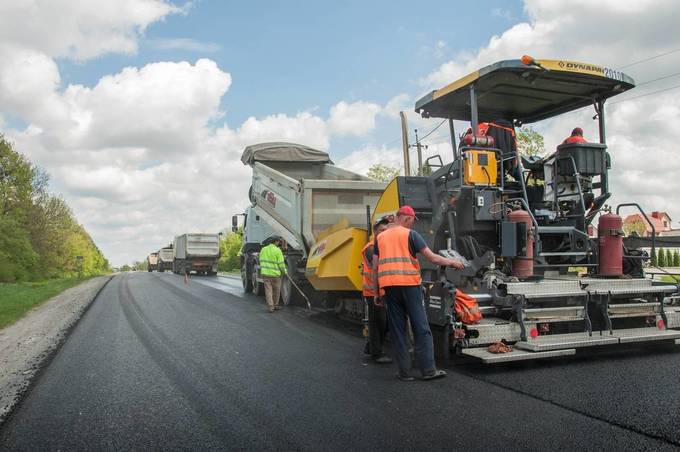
{"points": [[289, 294], [258, 288], [441, 337], [246, 279]]}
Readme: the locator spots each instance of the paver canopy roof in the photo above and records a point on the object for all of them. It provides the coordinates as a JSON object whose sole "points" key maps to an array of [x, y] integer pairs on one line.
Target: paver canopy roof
{"points": [[514, 91], [282, 152]]}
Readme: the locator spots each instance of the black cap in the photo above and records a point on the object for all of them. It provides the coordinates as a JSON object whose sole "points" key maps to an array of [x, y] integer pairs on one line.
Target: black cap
{"points": [[385, 219], [271, 239]]}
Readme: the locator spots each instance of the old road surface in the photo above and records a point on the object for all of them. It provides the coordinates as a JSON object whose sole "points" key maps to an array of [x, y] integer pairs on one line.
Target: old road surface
{"points": [[157, 364]]}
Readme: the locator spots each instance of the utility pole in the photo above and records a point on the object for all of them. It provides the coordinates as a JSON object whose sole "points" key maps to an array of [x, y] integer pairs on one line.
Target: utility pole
{"points": [[419, 148]]}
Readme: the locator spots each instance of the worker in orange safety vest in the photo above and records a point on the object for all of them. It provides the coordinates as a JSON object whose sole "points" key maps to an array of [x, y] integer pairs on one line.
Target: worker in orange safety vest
{"points": [[398, 274], [575, 137]]}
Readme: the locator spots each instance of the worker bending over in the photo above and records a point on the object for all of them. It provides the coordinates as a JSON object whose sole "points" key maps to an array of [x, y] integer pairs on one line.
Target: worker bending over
{"points": [[272, 270], [377, 317], [399, 275]]}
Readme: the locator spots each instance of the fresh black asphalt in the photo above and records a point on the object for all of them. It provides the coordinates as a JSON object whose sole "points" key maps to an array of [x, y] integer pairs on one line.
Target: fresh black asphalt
{"points": [[158, 364]]}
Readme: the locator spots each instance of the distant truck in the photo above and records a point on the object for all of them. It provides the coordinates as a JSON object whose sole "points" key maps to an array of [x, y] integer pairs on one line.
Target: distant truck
{"points": [[196, 252], [165, 258], [152, 261], [299, 194]]}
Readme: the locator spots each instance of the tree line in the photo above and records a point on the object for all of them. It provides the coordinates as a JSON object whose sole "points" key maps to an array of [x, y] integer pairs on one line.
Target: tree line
{"points": [[40, 237]]}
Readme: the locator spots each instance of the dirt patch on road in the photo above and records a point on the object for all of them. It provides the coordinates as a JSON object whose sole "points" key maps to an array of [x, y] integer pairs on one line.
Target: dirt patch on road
{"points": [[27, 344]]}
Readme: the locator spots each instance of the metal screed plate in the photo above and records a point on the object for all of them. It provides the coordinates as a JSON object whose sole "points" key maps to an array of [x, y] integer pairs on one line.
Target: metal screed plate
{"points": [[515, 355], [565, 341], [645, 334]]}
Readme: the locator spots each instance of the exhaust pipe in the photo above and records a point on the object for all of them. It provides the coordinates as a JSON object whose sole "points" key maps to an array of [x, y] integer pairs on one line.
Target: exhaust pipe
{"points": [[404, 142]]}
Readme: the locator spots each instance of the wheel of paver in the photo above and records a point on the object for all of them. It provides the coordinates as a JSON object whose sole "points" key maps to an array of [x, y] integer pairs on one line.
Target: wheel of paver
{"points": [[246, 279], [441, 337]]}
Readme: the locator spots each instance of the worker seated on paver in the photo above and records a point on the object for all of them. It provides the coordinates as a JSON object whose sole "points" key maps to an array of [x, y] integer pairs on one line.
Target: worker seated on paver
{"points": [[575, 137]]}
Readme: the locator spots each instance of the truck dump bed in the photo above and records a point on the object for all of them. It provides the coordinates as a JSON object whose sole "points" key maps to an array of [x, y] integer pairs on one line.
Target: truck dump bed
{"points": [[188, 246], [165, 255], [300, 193]]}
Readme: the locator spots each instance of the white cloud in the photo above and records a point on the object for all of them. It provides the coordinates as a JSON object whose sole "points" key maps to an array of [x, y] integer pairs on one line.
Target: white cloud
{"points": [[357, 118], [79, 29]]}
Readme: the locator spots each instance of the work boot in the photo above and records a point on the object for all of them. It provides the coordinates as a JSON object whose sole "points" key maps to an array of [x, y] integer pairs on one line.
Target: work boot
{"points": [[434, 375], [384, 359], [404, 377]]}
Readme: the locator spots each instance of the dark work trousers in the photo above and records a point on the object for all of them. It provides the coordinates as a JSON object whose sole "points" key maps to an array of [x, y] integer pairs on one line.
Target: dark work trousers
{"points": [[377, 328], [403, 302]]}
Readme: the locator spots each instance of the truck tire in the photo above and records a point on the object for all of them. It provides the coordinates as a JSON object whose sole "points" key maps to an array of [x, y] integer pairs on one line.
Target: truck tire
{"points": [[246, 279], [258, 288], [289, 294]]}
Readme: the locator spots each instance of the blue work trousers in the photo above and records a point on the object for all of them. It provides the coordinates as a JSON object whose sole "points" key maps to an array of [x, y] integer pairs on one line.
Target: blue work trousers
{"points": [[403, 302]]}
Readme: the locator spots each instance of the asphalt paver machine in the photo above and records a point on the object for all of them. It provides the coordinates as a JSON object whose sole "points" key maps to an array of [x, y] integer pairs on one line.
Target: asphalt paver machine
{"points": [[543, 283]]}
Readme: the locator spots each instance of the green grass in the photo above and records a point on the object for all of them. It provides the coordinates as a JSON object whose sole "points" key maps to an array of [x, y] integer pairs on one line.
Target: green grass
{"points": [[670, 279], [16, 299]]}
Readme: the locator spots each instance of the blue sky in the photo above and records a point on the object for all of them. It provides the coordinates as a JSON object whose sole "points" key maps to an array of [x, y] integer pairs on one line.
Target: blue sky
{"points": [[287, 57]]}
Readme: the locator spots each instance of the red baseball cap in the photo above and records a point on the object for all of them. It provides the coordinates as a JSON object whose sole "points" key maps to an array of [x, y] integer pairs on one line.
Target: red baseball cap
{"points": [[407, 211]]}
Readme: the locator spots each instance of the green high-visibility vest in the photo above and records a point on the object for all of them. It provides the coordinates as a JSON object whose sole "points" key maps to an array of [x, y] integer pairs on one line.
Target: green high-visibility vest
{"points": [[271, 261]]}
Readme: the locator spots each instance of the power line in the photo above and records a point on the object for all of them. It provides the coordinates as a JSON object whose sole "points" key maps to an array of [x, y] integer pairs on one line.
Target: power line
{"points": [[657, 79], [435, 128], [646, 94], [648, 59]]}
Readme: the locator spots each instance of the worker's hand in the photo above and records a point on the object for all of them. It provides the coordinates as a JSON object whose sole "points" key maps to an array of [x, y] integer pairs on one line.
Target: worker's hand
{"points": [[455, 263], [377, 301]]}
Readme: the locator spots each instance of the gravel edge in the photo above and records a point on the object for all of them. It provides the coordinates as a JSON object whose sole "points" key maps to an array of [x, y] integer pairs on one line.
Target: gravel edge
{"points": [[29, 345]]}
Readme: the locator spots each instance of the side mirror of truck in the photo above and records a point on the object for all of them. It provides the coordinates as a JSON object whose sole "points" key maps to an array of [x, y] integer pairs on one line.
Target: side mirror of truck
{"points": [[234, 223]]}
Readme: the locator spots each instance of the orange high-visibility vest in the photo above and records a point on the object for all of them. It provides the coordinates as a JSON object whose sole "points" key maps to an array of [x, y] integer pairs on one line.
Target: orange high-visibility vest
{"points": [[369, 289], [574, 139], [396, 266]]}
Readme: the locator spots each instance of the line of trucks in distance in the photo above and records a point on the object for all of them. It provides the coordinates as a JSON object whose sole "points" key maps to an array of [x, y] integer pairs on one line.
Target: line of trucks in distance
{"points": [[193, 252], [545, 282]]}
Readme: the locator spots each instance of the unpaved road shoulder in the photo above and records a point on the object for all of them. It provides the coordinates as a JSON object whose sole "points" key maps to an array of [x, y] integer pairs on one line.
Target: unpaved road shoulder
{"points": [[26, 345]]}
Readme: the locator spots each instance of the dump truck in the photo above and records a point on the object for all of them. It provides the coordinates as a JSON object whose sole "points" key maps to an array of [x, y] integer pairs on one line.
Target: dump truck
{"points": [[298, 194], [542, 284], [165, 258], [197, 252], [152, 262]]}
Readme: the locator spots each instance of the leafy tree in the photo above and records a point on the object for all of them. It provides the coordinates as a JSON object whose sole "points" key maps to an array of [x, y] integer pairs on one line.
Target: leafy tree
{"points": [[17, 257], [382, 172], [637, 226], [39, 235], [230, 248], [125, 268], [661, 258], [653, 258], [530, 142], [676, 258]]}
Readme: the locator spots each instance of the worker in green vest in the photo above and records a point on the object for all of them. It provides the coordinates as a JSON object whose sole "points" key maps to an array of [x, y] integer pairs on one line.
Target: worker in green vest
{"points": [[272, 270]]}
